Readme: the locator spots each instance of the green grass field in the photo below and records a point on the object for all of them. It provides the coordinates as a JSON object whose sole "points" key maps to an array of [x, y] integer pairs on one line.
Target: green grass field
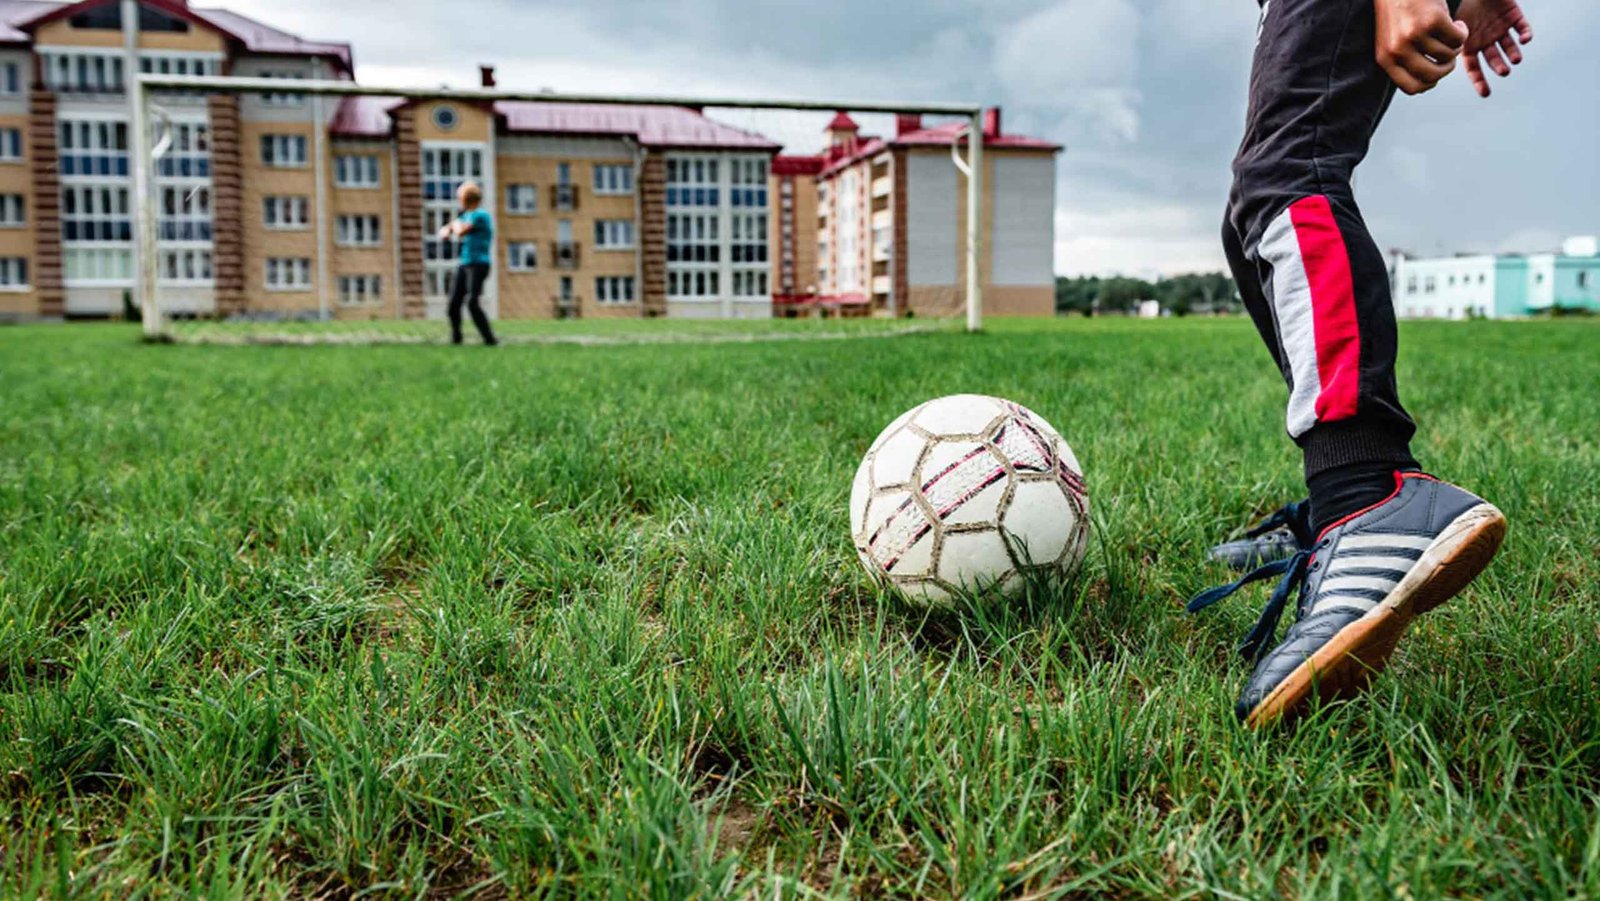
{"points": [[586, 620]]}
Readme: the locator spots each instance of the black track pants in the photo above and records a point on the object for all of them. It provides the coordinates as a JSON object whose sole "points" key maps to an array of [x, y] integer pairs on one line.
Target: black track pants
{"points": [[1311, 276], [468, 289]]}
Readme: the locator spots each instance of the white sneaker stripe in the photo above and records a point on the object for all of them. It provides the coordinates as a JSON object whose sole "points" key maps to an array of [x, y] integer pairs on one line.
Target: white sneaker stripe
{"points": [[1345, 601], [1400, 565], [1384, 542], [1360, 583]]}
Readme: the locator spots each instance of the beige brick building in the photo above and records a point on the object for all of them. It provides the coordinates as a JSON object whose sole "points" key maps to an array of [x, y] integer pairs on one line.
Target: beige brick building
{"points": [[291, 205]]}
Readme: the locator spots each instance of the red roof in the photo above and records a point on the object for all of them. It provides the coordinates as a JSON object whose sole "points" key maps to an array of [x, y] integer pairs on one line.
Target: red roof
{"points": [[843, 122], [18, 18], [651, 126], [937, 136], [797, 165]]}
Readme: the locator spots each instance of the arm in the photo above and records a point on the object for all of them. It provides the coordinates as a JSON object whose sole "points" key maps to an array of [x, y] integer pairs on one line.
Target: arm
{"points": [[455, 229], [1417, 42]]}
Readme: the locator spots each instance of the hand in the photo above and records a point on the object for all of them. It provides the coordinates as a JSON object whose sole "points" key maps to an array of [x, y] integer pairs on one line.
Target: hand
{"points": [[446, 233], [1417, 42], [1493, 26]]}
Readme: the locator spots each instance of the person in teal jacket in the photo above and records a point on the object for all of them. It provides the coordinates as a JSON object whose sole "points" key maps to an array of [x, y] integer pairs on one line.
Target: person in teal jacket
{"points": [[474, 228]]}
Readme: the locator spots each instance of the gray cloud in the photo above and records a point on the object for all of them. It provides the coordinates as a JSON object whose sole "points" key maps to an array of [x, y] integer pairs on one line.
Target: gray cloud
{"points": [[1148, 95]]}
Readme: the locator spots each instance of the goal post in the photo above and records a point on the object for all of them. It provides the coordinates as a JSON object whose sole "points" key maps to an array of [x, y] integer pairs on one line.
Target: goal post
{"points": [[151, 139]]}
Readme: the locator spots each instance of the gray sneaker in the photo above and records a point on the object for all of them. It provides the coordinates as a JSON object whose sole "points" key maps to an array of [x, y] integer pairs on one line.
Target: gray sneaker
{"points": [[1362, 582], [1278, 537]]}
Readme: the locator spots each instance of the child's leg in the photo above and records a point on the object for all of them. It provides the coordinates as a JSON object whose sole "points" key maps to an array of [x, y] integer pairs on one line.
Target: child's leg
{"points": [[458, 295], [479, 276], [1320, 283]]}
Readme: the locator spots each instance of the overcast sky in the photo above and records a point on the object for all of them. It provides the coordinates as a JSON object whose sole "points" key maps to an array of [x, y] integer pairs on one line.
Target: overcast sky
{"points": [[1148, 96]]}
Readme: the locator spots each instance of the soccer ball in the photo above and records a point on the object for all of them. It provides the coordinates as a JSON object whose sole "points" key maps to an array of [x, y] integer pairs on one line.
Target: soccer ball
{"points": [[968, 493]]}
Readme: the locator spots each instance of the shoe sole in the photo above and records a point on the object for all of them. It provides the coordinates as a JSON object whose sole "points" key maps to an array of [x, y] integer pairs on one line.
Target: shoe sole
{"points": [[1346, 664]]}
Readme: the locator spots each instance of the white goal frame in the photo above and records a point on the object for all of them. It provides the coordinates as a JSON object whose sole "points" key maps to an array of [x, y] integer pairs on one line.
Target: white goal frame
{"points": [[145, 151]]}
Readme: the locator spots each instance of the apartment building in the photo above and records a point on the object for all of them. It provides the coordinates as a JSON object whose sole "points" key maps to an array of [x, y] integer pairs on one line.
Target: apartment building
{"points": [[290, 205], [892, 212]]}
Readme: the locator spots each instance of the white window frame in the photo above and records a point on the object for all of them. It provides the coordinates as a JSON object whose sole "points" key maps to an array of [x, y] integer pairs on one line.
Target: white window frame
{"points": [[11, 150], [83, 70], [13, 211], [10, 79], [296, 268], [613, 179], [358, 230], [14, 275], [275, 151], [360, 290], [186, 266], [357, 170], [286, 212], [282, 98], [440, 257], [522, 199], [522, 256], [613, 234], [614, 289]]}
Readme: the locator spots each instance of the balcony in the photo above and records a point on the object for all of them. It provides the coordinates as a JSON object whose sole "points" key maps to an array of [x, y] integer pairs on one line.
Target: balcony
{"points": [[564, 198], [566, 254], [569, 307]]}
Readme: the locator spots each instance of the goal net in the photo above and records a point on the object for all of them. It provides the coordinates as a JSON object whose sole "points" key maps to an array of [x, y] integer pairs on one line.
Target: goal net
{"points": [[267, 210]]}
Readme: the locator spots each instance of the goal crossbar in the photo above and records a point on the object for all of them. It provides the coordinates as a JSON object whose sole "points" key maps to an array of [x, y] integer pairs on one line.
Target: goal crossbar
{"points": [[143, 145]]}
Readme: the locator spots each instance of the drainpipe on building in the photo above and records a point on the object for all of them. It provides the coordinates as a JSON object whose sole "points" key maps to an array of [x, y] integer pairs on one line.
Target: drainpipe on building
{"points": [[320, 173], [638, 222]]}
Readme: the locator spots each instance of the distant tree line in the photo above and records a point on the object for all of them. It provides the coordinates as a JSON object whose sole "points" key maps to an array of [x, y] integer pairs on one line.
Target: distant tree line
{"points": [[1181, 295]]}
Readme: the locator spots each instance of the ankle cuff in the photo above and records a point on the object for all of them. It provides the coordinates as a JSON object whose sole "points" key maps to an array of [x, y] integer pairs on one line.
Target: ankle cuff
{"points": [[1351, 443]]}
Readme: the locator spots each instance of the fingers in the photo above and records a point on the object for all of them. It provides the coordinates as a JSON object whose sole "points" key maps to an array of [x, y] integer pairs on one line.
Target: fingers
{"points": [[1491, 56], [1480, 82], [1523, 26]]}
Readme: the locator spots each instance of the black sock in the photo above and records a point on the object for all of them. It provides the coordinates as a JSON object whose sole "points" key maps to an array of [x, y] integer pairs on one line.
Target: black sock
{"points": [[1343, 490]]}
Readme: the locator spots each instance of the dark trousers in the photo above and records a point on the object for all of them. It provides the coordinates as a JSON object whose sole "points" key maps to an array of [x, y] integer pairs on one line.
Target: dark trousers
{"points": [[468, 289], [1311, 275]]}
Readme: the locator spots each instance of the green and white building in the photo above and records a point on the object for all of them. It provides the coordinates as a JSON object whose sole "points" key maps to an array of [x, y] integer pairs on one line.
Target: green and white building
{"points": [[1499, 286]]}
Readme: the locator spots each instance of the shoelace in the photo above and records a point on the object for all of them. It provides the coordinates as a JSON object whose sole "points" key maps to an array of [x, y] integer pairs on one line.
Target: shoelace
{"points": [[1297, 519]]}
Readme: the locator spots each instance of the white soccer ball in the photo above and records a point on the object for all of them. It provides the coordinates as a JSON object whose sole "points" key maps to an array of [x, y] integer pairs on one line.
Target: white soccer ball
{"points": [[967, 493]]}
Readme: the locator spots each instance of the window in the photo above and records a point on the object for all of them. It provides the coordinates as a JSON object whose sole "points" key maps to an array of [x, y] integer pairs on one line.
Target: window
{"points": [[1411, 285], [179, 64], [10, 145], [614, 289], [189, 155], [93, 147], [358, 231], [522, 200], [1429, 285], [566, 287], [692, 182], [156, 20], [749, 183], [82, 71], [613, 179], [13, 274], [96, 213], [692, 238], [13, 210], [444, 169], [10, 80], [283, 151], [190, 265], [1583, 279], [446, 118], [360, 289], [355, 171], [563, 174], [692, 284], [282, 98], [749, 237], [90, 266], [613, 234], [522, 256], [288, 274], [286, 212], [106, 17], [185, 213], [750, 284]]}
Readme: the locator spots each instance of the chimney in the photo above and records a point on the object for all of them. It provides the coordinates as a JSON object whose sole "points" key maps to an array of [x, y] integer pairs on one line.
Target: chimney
{"points": [[991, 122], [905, 123], [486, 76]]}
